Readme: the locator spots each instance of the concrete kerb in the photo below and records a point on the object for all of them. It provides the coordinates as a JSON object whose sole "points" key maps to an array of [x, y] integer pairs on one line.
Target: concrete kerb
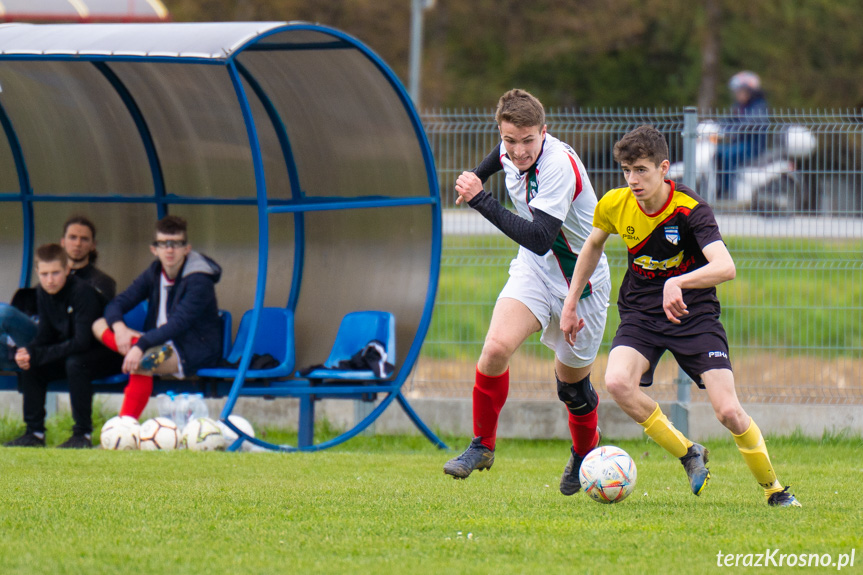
{"points": [[527, 419]]}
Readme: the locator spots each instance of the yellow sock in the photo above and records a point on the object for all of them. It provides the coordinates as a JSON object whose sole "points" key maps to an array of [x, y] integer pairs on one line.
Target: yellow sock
{"points": [[663, 432], [754, 452]]}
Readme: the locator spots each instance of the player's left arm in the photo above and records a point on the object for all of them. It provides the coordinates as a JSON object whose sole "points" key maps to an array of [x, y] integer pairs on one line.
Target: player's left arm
{"points": [[720, 268]]}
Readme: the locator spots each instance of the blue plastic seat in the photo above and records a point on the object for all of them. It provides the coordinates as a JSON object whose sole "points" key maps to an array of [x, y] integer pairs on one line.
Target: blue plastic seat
{"points": [[355, 331], [275, 336], [135, 317]]}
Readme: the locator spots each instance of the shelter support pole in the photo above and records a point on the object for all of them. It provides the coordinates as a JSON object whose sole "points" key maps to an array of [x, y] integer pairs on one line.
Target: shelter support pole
{"points": [[306, 427], [680, 409]]}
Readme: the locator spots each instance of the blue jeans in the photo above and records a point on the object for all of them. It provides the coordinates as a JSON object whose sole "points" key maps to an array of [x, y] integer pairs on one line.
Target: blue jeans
{"points": [[17, 325]]}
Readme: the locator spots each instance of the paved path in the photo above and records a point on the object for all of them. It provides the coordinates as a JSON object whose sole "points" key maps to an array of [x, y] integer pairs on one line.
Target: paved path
{"points": [[466, 222]]}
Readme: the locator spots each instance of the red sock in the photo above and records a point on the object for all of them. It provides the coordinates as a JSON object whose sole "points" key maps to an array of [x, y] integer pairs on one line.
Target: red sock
{"points": [[110, 340], [489, 395], [583, 431], [136, 395]]}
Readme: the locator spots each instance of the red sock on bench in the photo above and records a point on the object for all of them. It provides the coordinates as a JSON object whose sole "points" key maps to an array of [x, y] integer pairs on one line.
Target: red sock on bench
{"points": [[109, 340], [136, 395]]}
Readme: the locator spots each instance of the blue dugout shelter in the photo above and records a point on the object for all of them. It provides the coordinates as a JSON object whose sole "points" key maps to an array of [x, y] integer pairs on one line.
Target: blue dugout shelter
{"points": [[292, 150]]}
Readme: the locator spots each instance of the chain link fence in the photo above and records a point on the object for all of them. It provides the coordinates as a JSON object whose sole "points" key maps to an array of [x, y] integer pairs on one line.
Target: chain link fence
{"points": [[787, 189]]}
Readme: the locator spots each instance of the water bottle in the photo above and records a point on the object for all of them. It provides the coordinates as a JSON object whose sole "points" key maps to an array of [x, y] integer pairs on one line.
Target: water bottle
{"points": [[165, 405], [198, 407], [181, 410]]}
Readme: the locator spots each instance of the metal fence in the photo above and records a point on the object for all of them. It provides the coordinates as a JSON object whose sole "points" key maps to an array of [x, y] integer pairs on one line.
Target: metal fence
{"points": [[787, 189]]}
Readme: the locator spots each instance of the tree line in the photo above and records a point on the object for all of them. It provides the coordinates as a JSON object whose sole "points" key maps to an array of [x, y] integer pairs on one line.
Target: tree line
{"points": [[596, 53]]}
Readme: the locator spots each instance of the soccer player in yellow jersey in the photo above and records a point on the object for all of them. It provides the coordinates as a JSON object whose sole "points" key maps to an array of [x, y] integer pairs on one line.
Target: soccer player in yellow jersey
{"points": [[668, 301]]}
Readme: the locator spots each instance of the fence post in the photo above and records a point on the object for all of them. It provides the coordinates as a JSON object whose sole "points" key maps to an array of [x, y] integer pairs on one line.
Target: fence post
{"points": [[680, 409]]}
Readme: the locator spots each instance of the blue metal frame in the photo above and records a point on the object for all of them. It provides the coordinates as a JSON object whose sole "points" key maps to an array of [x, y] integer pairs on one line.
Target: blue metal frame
{"points": [[293, 177], [143, 132], [297, 205], [25, 194]]}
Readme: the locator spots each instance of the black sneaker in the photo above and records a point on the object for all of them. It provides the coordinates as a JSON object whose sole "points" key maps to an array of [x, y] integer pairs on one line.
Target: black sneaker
{"points": [[77, 442], [27, 440], [155, 356], [477, 456], [570, 484], [783, 499], [694, 462]]}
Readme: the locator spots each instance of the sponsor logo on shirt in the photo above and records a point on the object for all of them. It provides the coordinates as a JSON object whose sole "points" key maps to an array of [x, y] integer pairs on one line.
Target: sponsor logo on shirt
{"points": [[649, 263]]}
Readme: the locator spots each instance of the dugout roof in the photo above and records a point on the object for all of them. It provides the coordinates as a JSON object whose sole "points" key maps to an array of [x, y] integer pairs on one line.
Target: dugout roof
{"points": [[292, 150], [83, 11]]}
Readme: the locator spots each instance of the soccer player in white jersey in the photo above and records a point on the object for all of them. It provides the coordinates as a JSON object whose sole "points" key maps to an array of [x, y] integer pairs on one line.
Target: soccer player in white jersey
{"points": [[554, 201]]}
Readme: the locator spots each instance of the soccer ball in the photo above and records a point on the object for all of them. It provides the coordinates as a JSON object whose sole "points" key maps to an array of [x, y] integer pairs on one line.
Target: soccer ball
{"points": [[607, 474], [121, 433], [230, 436], [202, 434], [159, 433]]}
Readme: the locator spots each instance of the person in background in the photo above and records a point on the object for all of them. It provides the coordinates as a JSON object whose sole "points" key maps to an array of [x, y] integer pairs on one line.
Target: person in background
{"points": [[18, 319], [744, 135], [63, 348], [182, 330]]}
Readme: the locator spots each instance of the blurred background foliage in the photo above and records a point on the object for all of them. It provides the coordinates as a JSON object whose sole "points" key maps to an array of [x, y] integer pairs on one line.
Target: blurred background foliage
{"points": [[596, 53]]}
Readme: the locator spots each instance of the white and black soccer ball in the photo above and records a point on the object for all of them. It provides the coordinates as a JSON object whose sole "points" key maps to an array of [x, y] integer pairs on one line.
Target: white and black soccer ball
{"points": [[159, 434], [121, 433], [202, 434], [242, 424], [607, 474]]}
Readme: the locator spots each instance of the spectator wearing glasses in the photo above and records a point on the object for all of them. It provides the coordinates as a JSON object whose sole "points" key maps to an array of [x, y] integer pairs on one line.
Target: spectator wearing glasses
{"points": [[182, 330]]}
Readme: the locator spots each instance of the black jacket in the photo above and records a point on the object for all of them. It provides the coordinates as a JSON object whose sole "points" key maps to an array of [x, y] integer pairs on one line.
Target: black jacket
{"points": [[104, 284], [65, 322], [193, 313]]}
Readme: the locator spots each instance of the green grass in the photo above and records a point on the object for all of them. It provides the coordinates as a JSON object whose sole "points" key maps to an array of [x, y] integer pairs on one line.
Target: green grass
{"points": [[789, 293], [383, 505]]}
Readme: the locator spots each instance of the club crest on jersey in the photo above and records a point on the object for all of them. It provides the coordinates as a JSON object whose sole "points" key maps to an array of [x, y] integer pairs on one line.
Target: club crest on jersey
{"points": [[672, 234]]}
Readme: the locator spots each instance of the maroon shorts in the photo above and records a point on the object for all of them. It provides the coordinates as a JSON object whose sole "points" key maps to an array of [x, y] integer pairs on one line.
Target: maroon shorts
{"points": [[695, 353]]}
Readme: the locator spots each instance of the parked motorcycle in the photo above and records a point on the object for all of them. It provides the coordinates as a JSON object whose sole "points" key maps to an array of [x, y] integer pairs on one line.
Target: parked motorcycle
{"points": [[769, 185]]}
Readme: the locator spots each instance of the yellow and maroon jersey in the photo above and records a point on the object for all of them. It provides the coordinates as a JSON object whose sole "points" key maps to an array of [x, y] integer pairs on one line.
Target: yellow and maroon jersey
{"points": [[661, 245]]}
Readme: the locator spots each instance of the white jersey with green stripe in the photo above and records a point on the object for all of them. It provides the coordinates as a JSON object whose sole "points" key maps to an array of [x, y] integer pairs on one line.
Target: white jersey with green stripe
{"points": [[558, 185]]}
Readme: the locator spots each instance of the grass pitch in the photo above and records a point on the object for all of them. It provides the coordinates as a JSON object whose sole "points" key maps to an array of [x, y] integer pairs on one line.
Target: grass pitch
{"points": [[383, 505]]}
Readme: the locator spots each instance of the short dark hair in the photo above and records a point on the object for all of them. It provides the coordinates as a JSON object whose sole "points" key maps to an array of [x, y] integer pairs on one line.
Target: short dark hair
{"points": [[521, 109], [642, 142], [171, 226], [47, 253], [83, 221]]}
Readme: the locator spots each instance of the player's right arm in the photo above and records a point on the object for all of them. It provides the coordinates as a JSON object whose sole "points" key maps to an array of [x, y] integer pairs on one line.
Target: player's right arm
{"points": [[537, 235], [585, 265]]}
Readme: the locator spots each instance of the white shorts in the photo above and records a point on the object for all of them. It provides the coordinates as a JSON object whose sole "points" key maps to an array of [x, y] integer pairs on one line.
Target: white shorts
{"points": [[524, 286]]}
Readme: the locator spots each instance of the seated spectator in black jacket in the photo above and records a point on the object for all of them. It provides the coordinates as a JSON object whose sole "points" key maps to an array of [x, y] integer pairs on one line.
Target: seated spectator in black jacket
{"points": [[18, 318], [182, 330], [63, 348]]}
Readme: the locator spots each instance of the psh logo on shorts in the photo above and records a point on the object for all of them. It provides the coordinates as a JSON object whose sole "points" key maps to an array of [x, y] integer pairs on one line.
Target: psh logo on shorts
{"points": [[717, 354]]}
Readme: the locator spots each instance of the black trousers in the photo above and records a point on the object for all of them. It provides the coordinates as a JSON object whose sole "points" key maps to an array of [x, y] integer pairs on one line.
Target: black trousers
{"points": [[79, 371]]}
